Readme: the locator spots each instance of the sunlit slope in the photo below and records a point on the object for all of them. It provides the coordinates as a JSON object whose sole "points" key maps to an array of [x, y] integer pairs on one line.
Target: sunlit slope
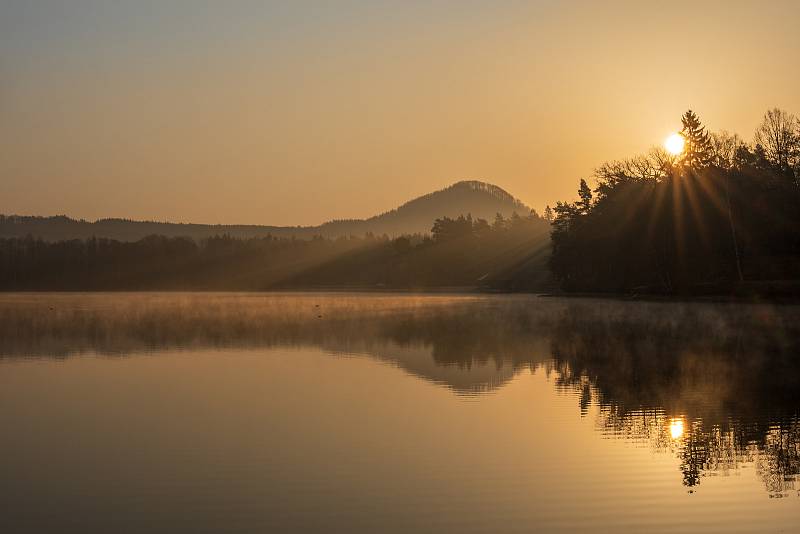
{"points": [[518, 261]]}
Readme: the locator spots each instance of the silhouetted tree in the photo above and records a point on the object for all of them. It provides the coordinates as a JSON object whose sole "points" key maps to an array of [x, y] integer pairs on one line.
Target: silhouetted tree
{"points": [[724, 148], [723, 214], [446, 228], [779, 135], [548, 214], [585, 195], [697, 150], [464, 251], [499, 222], [481, 227]]}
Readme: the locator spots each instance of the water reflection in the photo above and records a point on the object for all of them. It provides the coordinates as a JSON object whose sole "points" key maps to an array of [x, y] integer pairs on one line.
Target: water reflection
{"points": [[676, 428], [469, 344], [716, 385]]}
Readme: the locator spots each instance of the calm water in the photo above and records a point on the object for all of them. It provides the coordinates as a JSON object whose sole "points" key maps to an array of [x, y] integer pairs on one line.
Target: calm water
{"points": [[382, 413]]}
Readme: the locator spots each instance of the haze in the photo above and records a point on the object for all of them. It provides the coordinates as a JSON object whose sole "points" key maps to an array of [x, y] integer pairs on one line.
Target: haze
{"points": [[297, 113]]}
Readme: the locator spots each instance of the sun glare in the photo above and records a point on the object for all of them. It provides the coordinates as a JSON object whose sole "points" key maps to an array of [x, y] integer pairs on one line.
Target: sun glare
{"points": [[674, 144]]}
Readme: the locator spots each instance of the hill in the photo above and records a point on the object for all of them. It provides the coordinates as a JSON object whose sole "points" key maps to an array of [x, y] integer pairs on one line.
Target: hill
{"points": [[480, 199]]}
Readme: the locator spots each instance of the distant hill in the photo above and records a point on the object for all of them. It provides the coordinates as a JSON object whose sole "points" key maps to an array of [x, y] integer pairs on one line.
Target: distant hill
{"points": [[481, 199]]}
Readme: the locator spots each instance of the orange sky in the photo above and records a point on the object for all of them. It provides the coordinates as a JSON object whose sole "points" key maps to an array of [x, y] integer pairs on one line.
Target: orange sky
{"points": [[252, 112]]}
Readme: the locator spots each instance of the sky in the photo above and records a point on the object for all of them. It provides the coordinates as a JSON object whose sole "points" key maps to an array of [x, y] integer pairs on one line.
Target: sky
{"points": [[259, 112]]}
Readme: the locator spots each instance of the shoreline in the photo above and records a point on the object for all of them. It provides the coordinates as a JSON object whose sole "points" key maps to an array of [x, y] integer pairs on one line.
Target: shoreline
{"points": [[788, 299]]}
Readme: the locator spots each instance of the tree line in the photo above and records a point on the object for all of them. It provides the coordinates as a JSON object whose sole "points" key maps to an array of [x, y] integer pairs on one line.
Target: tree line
{"points": [[722, 216], [458, 252]]}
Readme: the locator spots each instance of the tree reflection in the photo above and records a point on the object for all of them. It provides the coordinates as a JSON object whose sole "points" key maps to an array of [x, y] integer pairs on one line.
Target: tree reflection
{"points": [[717, 385], [468, 343]]}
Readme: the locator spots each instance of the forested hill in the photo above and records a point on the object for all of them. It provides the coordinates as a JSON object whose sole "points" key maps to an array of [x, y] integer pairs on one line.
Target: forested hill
{"points": [[480, 199]]}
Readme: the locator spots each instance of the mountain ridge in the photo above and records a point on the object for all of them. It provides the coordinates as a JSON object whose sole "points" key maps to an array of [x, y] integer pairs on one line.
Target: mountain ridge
{"points": [[481, 199]]}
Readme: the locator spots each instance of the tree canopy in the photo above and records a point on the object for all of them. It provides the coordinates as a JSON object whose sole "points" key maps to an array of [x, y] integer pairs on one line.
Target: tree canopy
{"points": [[722, 216]]}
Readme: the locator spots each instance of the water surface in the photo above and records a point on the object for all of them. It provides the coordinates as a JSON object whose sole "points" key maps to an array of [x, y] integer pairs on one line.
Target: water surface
{"points": [[369, 412]]}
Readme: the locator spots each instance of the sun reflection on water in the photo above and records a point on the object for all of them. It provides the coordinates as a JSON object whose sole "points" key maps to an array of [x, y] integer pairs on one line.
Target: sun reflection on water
{"points": [[676, 428]]}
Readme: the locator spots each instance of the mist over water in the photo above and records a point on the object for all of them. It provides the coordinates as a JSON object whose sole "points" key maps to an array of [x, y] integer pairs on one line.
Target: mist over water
{"points": [[182, 412]]}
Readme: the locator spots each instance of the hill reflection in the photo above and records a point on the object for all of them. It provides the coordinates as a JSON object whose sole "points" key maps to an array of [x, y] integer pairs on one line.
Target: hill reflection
{"points": [[716, 385], [470, 344]]}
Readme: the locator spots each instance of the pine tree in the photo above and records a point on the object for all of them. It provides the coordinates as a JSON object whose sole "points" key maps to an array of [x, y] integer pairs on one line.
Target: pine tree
{"points": [[697, 149], [585, 194], [548, 214], [499, 222]]}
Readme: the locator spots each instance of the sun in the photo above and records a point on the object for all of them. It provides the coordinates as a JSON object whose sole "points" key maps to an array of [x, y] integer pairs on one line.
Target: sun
{"points": [[674, 144]]}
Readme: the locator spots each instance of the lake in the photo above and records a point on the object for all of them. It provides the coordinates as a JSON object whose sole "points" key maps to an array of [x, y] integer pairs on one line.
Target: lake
{"points": [[351, 412]]}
